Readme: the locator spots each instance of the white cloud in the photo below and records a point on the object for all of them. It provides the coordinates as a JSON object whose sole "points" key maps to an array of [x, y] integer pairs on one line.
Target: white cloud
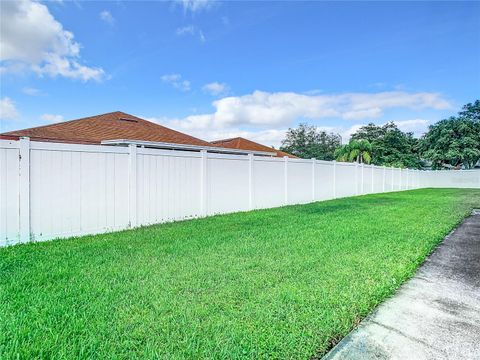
{"points": [[269, 137], [264, 117], [215, 88], [51, 118], [202, 36], [106, 16], [417, 126], [196, 5], [176, 81], [32, 39], [190, 29], [346, 133], [374, 112], [272, 137], [263, 109], [8, 111], [31, 91]]}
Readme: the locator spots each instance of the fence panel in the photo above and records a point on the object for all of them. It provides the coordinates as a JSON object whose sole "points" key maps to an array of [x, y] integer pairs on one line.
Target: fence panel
{"points": [[457, 179], [50, 190], [299, 181], [268, 182], [377, 186], [228, 183], [9, 196], [367, 181], [324, 180], [76, 192], [344, 174], [168, 186], [389, 177]]}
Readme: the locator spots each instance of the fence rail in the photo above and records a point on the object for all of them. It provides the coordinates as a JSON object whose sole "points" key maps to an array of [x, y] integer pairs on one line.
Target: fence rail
{"points": [[52, 190]]}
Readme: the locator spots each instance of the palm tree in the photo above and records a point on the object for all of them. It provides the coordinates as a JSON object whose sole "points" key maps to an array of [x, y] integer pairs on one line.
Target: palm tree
{"points": [[342, 153], [355, 151]]}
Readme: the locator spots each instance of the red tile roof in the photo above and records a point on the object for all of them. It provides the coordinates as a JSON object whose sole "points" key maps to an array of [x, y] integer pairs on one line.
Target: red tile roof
{"points": [[111, 126], [245, 144]]}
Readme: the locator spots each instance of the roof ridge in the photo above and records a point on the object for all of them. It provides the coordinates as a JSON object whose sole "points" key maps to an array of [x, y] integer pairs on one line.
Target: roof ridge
{"points": [[228, 139], [69, 121]]}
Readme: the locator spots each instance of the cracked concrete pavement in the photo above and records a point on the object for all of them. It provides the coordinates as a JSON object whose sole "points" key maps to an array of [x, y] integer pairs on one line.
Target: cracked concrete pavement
{"points": [[434, 315]]}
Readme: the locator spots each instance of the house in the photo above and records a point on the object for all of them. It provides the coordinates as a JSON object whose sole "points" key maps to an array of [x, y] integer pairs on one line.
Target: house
{"points": [[245, 144], [119, 128], [110, 126]]}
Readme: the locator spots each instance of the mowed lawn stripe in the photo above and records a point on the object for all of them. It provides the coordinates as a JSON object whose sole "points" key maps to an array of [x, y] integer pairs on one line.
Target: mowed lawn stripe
{"points": [[278, 283]]}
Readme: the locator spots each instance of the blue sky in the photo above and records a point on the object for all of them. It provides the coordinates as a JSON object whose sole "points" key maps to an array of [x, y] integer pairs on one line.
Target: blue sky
{"points": [[222, 69]]}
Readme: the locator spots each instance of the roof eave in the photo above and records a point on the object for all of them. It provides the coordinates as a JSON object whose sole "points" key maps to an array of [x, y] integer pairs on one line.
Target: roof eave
{"points": [[174, 146]]}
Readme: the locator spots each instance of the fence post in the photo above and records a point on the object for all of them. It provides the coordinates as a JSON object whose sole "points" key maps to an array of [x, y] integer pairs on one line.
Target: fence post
{"points": [[356, 178], [250, 181], [400, 181], [203, 183], [285, 174], [132, 185], [393, 178], [372, 177], [334, 179], [313, 179], [384, 177], [24, 188], [407, 180], [362, 165]]}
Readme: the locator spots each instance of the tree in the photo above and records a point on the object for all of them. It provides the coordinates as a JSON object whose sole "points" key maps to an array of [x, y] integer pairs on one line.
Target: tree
{"points": [[390, 145], [309, 142], [355, 151], [453, 142], [471, 111]]}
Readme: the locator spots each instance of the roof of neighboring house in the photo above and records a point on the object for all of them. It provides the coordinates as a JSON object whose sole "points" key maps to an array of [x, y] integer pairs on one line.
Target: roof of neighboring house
{"points": [[110, 126], [245, 144]]}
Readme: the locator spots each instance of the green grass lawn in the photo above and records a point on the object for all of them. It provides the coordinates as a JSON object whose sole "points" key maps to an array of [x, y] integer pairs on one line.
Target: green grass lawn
{"points": [[279, 283]]}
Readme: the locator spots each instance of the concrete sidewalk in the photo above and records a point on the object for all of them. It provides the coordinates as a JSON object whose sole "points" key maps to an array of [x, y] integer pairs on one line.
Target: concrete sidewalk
{"points": [[435, 315]]}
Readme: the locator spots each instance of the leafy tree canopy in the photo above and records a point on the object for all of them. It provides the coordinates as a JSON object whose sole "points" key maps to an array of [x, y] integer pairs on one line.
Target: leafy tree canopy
{"points": [[471, 111], [308, 142], [390, 145], [454, 142]]}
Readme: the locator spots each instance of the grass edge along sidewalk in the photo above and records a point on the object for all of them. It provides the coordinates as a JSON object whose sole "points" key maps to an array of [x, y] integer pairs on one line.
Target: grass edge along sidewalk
{"points": [[278, 283]]}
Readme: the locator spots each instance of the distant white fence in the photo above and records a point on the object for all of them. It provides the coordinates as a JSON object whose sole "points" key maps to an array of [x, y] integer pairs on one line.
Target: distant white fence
{"points": [[52, 190]]}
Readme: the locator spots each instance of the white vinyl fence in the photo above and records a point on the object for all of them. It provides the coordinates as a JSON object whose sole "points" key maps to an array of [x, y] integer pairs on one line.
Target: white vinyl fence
{"points": [[52, 190]]}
